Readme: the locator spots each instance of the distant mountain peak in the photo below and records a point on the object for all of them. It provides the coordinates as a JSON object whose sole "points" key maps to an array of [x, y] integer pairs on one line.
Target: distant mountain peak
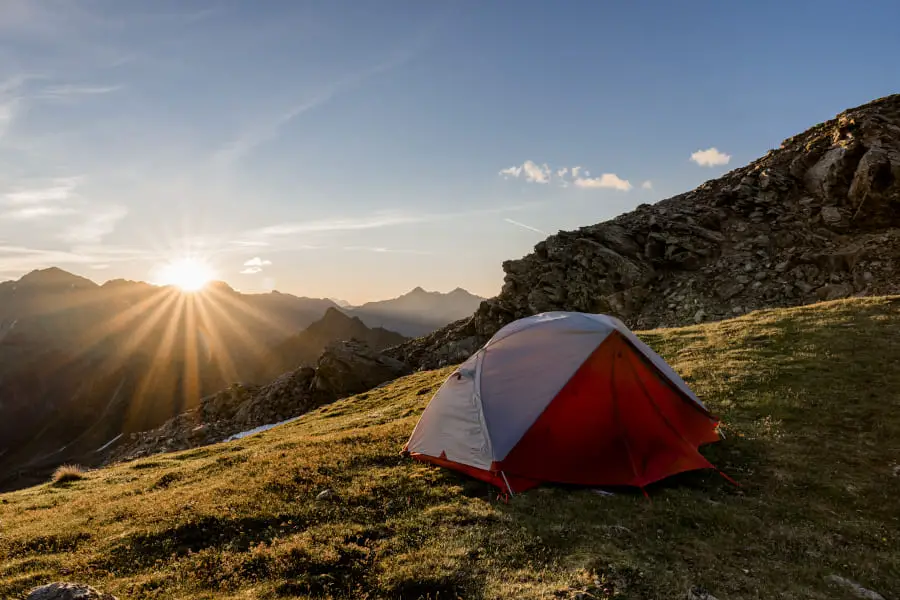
{"points": [[56, 277]]}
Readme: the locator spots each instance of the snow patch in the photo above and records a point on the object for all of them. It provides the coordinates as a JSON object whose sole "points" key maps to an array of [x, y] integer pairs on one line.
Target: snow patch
{"points": [[109, 443], [259, 429]]}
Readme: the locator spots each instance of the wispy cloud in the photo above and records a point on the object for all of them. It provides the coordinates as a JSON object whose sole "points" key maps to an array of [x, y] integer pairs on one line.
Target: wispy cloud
{"points": [[647, 185], [69, 91], [56, 190], [327, 225], [711, 157], [383, 250], [15, 260], [29, 213], [524, 226], [374, 221], [95, 226], [251, 271], [266, 127], [606, 180]]}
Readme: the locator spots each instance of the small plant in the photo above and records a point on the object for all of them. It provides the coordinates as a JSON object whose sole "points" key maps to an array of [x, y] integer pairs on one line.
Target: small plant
{"points": [[68, 473]]}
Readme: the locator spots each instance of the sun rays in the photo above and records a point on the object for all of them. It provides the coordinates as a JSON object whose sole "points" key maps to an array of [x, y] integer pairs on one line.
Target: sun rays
{"points": [[188, 274], [172, 344]]}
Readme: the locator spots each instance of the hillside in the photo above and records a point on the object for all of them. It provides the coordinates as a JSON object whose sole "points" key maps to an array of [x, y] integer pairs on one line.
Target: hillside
{"points": [[417, 312], [808, 397], [816, 219], [304, 348]]}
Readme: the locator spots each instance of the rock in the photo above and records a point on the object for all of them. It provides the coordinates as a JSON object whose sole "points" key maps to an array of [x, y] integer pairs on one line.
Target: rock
{"points": [[854, 588], [67, 591], [699, 316], [792, 227], [831, 215], [326, 494], [699, 593], [352, 367]]}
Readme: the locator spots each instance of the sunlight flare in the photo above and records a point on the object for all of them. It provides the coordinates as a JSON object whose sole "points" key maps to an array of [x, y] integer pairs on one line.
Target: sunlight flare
{"points": [[188, 274]]}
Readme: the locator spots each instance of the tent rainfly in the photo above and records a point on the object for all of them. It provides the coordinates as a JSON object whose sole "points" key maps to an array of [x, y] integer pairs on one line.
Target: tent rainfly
{"points": [[564, 397]]}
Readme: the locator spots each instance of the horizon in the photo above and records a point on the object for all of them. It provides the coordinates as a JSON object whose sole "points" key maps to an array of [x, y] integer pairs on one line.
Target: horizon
{"points": [[216, 282], [336, 150]]}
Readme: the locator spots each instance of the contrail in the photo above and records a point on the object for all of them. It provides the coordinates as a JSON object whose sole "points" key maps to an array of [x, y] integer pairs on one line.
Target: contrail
{"points": [[524, 226]]}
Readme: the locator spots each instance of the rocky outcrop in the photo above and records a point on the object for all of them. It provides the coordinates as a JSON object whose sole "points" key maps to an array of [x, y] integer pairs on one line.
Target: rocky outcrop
{"points": [[335, 326], [67, 591], [343, 369], [816, 219], [351, 367]]}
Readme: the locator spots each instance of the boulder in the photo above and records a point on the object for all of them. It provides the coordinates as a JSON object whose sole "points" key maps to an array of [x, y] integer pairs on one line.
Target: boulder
{"points": [[67, 591], [352, 367]]}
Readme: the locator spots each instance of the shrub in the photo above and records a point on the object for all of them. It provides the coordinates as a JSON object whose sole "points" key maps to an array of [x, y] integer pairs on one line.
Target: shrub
{"points": [[68, 473]]}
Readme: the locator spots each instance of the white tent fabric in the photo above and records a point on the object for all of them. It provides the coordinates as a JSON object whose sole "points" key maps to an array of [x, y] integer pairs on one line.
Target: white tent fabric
{"points": [[486, 405]]}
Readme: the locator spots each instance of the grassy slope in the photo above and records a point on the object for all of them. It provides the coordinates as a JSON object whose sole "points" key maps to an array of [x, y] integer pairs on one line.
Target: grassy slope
{"points": [[811, 407]]}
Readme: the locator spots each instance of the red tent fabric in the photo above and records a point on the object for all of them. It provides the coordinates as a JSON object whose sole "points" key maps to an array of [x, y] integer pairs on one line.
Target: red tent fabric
{"points": [[568, 398]]}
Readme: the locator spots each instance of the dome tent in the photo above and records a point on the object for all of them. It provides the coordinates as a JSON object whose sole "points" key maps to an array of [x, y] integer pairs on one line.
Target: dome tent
{"points": [[564, 397]]}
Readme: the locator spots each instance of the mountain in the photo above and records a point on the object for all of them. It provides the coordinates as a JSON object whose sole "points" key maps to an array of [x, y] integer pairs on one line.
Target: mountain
{"points": [[82, 363], [417, 312], [305, 348], [326, 507], [817, 218]]}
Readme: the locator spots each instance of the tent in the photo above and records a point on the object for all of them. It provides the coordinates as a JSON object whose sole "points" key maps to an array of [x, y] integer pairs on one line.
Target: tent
{"points": [[564, 397]]}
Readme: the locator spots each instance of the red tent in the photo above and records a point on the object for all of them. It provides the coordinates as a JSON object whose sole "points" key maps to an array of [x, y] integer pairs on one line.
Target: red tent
{"points": [[564, 397]]}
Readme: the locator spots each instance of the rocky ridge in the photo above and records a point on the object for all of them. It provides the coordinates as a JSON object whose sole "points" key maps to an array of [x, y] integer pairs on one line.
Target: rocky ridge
{"points": [[344, 369], [816, 219]]}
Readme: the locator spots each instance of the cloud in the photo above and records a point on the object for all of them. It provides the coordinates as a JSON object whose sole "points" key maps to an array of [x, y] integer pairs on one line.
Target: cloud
{"points": [[647, 185], [532, 171], [96, 226], [374, 221], [68, 91], [511, 171], [15, 260], [564, 176], [100, 267], [710, 157], [251, 270], [257, 262], [57, 190], [328, 225], [28, 213], [383, 250], [536, 173], [268, 125], [524, 226], [607, 180]]}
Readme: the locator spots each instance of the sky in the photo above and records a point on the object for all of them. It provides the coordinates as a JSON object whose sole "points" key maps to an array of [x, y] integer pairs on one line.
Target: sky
{"points": [[356, 150]]}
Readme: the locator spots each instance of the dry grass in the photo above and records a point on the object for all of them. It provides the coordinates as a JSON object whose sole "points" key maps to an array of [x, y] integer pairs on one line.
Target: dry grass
{"points": [[66, 474], [811, 407]]}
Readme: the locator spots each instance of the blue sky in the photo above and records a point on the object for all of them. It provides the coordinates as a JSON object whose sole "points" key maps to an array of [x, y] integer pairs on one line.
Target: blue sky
{"points": [[358, 149]]}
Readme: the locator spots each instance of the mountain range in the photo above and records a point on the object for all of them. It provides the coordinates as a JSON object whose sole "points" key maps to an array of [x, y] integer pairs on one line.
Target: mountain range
{"points": [[82, 363]]}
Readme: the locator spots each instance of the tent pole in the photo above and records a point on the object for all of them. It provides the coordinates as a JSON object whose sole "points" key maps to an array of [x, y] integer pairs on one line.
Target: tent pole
{"points": [[502, 474]]}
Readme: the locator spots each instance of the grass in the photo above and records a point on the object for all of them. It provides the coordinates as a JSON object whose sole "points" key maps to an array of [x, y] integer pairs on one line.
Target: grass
{"points": [[811, 409], [66, 474]]}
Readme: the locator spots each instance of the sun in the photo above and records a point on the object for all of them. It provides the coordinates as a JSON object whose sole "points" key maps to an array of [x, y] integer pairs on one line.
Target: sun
{"points": [[189, 274]]}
